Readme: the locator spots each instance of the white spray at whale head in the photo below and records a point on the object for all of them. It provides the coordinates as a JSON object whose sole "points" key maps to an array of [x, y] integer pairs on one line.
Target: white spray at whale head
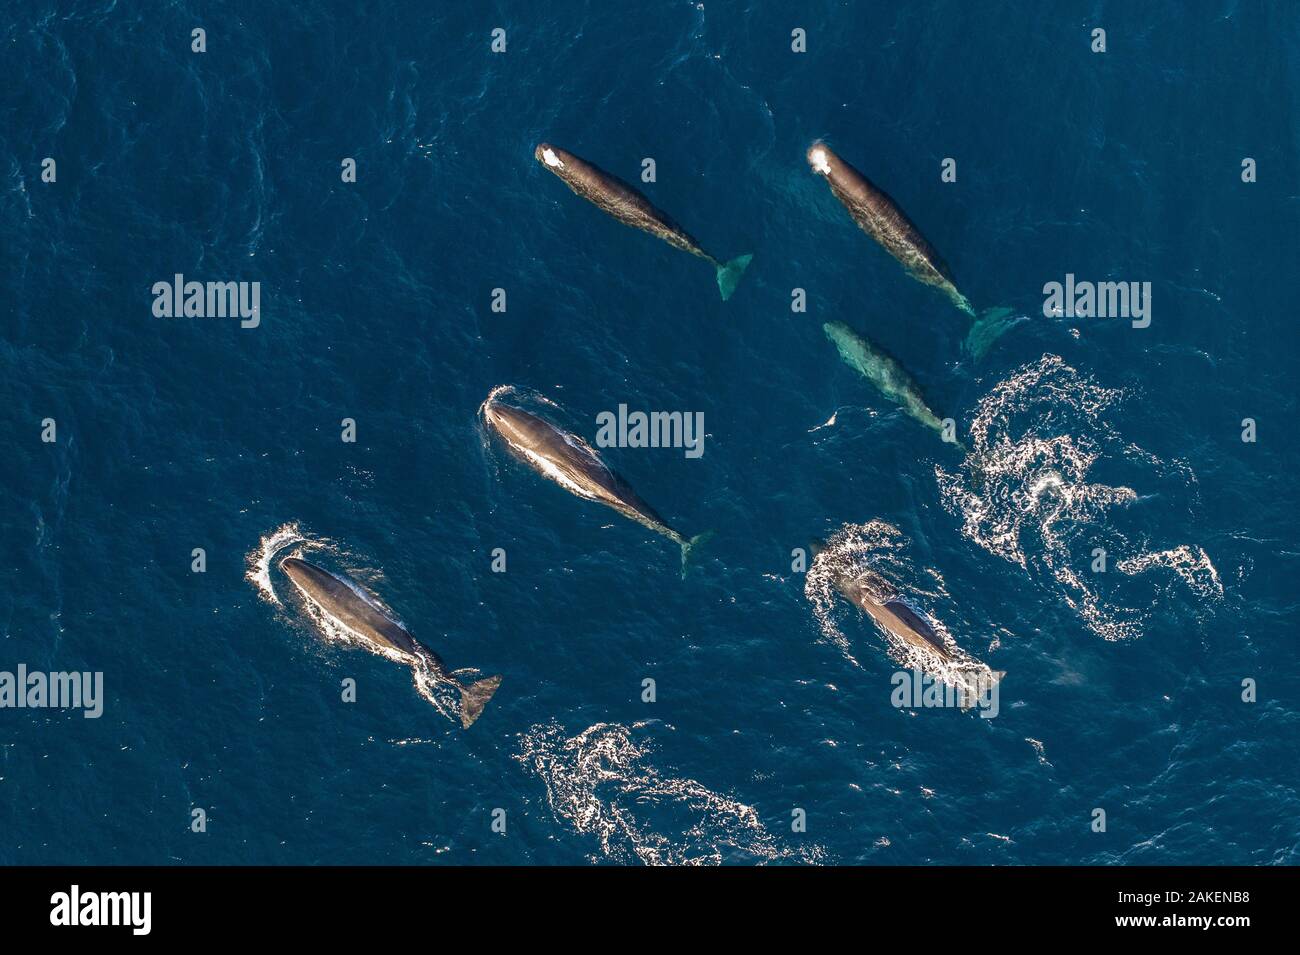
{"points": [[546, 154], [819, 158]]}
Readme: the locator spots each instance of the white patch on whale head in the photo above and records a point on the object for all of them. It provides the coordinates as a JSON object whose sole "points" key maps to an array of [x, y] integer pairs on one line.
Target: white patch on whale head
{"points": [[551, 159], [819, 162]]}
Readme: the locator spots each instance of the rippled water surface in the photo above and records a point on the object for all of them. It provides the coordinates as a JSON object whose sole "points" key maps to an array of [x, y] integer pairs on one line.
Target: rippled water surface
{"points": [[772, 695]]}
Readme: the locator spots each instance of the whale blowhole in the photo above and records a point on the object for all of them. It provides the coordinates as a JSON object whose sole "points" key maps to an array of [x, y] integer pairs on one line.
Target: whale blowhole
{"points": [[817, 158], [551, 159]]}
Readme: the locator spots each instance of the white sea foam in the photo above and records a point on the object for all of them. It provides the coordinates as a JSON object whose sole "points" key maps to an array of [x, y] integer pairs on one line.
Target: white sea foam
{"points": [[851, 550], [258, 560], [1025, 492], [602, 783], [828, 423], [1191, 564], [1039, 750]]}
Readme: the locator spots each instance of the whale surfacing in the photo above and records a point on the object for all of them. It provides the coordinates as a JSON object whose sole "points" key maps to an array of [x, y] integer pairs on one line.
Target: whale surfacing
{"points": [[839, 568], [341, 601], [571, 463], [626, 204], [878, 599]]}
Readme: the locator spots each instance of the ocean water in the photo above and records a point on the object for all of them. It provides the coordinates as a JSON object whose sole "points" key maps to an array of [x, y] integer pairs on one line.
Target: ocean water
{"points": [[223, 692]]}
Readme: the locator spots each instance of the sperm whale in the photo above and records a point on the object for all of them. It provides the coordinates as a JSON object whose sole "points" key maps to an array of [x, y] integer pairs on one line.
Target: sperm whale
{"points": [[630, 207], [571, 463], [882, 370], [880, 217], [341, 601]]}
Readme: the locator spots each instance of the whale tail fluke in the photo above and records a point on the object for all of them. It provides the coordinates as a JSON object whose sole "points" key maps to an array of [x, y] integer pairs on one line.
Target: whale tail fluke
{"points": [[688, 547], [729, 274], [992, 324], [474, 697]]}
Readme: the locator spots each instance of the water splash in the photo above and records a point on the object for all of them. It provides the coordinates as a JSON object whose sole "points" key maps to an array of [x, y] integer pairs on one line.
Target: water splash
{"points": [[875, 545], [1039, 750], [258, 560]]}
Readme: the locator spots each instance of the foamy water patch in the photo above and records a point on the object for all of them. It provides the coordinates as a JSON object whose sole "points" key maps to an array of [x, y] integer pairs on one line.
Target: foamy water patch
{"points": [[1026, 493], [875, 545], [258, 560], [523, 396], [602, 783], [1191, 564]]}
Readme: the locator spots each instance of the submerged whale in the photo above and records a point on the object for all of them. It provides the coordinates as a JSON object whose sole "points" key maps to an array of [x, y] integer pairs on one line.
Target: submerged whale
{"points": [[571, 463], [345, 604], [883, 371], [630, 207]]}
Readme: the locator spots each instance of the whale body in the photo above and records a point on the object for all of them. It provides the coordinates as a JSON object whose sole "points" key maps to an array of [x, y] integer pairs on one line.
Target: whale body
{"points": [[630, 207], [877, 598], [345, 604], [880, 217], [571, 463], [882, 370]]}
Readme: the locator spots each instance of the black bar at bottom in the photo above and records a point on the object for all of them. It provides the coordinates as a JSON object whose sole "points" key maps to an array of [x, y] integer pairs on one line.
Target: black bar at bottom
{"points": [[336, 904]]}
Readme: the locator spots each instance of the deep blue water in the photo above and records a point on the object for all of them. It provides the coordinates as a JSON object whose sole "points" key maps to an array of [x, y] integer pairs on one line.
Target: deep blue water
{"points": [[1123, 690]]}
